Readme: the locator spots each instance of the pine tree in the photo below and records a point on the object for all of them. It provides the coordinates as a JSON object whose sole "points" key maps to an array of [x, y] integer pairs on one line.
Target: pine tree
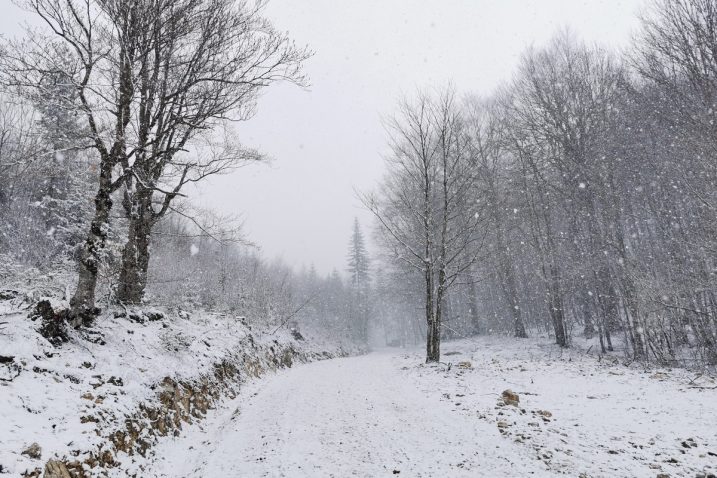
{"points": [[359, 281]]}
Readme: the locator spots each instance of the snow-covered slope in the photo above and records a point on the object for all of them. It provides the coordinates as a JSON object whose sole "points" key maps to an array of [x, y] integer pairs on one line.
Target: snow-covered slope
{"points": [[70, 399]]}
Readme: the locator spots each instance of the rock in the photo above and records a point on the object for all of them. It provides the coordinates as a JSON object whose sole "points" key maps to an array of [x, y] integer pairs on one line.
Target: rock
{"points": [[56, 469], [7, 359], [153, 315], [54, 324], [465, 364], [33, 451], [544, 413], [689, 443], [663, 475], [510, 398], [8, 294], [503, 424]]}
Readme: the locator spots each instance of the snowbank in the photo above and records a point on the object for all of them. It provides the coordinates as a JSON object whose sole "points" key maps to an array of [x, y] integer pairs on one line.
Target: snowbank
{"points": [[105, 390]]}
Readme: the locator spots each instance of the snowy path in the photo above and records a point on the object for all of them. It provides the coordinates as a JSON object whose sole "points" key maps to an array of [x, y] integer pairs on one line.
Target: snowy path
{"points": [[387, 414], [356, 416]]}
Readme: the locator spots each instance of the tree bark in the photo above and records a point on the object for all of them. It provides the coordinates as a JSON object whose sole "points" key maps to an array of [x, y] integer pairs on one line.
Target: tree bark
{"points": [[82, 304], [435, 334], [511, 292], [135, 254], [555, 302], [473, 305], [431, 338], [135, 264]]}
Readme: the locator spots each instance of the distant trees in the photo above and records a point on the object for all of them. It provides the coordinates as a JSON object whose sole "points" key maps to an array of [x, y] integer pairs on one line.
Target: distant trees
{"points": [[359, 281], [559, 108], [487, 130], [156, 82], [426, 205], [596, 182], [580, 198]]}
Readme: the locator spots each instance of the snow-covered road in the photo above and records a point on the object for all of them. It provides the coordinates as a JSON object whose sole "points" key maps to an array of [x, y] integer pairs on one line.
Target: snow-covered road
{"points": [[388, 414], [358, 416]]}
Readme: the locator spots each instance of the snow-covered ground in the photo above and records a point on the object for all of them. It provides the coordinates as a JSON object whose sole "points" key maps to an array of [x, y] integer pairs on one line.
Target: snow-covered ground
{"points": [[67, 399], [382, 414], [387, 414]]}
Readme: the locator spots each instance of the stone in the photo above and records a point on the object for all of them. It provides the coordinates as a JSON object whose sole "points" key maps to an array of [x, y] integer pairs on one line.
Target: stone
{"points": [[153, 315], [33, 451], [8, 294], [465, 364], [510, 397], [689, 443], [54, 323], [56, 469]]}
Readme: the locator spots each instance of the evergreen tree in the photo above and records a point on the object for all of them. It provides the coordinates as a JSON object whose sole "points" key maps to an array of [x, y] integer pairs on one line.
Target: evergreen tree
{"points": [[359, 281]]}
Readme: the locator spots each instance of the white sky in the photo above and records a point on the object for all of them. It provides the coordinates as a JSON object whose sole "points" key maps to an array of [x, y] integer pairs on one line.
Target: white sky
{"points": [[328, 140]]}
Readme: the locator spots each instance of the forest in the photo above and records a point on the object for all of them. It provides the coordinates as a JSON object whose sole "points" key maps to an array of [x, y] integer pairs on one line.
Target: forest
{"points": [[576, 199], [570, 211]]}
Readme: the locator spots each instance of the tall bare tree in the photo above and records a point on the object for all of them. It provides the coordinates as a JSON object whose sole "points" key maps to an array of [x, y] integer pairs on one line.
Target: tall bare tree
{"points": [[426, 205], [153, 78]]}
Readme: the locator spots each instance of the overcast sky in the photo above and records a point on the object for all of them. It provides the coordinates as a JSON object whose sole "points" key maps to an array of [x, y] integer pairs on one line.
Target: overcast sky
{"points": [[328, 140]]}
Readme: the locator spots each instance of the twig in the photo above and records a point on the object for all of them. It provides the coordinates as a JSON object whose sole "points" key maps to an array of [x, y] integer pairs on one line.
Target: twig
{"points": [[693, 380], [289, 317]]}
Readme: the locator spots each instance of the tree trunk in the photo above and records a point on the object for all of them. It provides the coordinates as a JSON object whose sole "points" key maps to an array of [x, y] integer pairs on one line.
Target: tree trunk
{"points": [[431, 339], [511, 292], [473, 305], [82, 304], [435, 334], [433, 343], [135, 264], [557, 314], [135, 254]]}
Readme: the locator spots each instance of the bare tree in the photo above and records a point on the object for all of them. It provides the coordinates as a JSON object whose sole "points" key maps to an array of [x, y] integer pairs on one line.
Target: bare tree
{"points": [[486, 129], [560, 108], [152, 77], [426, 205]]}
